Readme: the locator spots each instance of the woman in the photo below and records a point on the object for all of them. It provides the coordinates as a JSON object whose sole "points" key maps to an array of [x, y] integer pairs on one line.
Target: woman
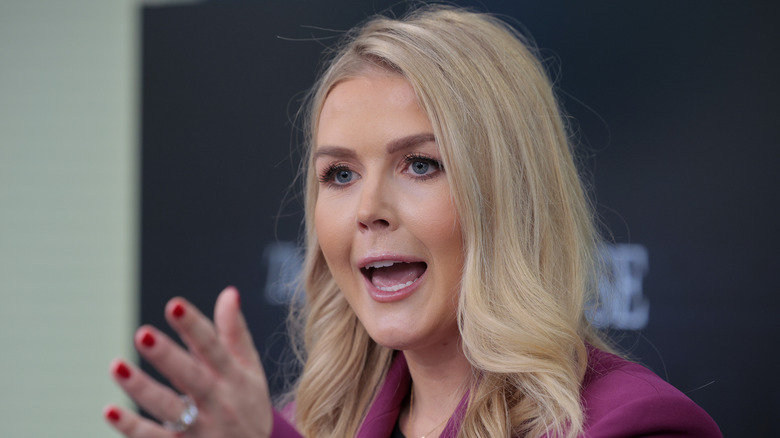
{"points": [[450, 256]]}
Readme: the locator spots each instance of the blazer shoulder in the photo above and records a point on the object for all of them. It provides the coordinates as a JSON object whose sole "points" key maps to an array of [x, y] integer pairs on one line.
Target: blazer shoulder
{"points": [[622, 398]]}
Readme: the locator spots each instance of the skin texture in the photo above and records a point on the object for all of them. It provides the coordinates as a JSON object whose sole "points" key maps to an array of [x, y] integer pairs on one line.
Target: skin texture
{"points": [[379, 203]]}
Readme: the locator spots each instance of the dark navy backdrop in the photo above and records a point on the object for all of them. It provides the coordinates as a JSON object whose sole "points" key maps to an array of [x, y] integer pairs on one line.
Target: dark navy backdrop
{"points": [[675, 106]]}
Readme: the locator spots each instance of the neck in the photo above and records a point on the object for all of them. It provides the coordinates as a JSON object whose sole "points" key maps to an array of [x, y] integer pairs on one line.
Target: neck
{"points": [[440, 377]]}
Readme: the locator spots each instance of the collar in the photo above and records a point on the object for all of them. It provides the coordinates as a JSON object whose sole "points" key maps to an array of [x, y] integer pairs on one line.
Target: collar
{"points": [[384, 411]]}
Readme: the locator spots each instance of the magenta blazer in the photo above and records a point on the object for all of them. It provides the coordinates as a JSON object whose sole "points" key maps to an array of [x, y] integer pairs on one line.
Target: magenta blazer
{"points": [[620, 399]]}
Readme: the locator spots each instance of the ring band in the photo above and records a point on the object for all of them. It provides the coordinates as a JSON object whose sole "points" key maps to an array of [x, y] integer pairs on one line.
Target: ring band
{"points": [[186, 418]]}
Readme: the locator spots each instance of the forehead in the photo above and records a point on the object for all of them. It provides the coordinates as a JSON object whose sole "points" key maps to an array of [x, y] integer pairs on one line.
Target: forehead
{"points": [[392, 89], [375, 103]]}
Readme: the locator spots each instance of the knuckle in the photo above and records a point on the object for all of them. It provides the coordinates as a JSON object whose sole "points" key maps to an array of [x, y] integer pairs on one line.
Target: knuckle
{"points": [[210, 342], [213, 349], [130, 427]]}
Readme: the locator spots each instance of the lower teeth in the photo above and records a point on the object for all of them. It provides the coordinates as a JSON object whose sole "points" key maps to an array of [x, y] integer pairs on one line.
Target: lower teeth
{"points": [[396, 287]]}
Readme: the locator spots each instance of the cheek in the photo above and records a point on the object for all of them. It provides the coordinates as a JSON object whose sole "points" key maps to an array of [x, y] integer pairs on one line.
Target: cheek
{"points": [[330, 226], [438, 222], [449, 252], [438, 227], [323, 225], [452, 245]]}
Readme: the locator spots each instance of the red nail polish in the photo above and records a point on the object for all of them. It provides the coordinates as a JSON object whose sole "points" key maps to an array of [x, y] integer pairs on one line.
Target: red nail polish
{"points": [[178, 310], [122, 371], [148, 339], [112, 415]]}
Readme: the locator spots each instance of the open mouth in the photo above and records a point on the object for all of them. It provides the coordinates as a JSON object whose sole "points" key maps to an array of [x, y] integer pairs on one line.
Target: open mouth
{"points": [[391, 276]]}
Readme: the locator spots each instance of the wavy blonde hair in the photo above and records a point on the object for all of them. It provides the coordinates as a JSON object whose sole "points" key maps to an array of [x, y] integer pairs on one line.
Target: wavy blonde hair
{"points": [[529, 238]]}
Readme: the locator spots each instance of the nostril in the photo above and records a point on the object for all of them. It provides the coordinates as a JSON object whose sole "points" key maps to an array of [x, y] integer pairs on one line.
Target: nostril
{"points": [[375, 224]]}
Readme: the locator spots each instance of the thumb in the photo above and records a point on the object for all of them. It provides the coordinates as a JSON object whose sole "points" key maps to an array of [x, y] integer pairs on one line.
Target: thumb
{"points": [[232, 328]]}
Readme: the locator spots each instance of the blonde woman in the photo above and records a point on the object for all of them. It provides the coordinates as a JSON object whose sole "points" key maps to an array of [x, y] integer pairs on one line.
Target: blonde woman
{"points": [[450, 256]]}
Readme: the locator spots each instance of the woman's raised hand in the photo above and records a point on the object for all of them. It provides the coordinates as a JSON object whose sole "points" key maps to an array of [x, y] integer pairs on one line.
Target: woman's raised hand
{"points": [[221, 372]]}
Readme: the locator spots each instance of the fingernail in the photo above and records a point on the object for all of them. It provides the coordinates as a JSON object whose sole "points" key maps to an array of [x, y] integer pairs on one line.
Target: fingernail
{"points": [[178, 310], [112, 414], [148, 339], [122, 370], [238, 298]]}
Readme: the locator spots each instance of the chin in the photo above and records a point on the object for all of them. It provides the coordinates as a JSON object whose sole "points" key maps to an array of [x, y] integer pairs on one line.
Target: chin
{"points": [[394, 337], [402, 335]]}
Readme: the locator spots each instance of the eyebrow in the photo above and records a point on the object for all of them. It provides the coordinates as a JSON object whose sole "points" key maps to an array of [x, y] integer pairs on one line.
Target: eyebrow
{"points": [[394, 146], [409, 141]]}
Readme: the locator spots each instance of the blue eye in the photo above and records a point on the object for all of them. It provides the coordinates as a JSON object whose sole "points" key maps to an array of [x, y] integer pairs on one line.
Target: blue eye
{"points": [[342, 176], [420, 167], [337, 175]]}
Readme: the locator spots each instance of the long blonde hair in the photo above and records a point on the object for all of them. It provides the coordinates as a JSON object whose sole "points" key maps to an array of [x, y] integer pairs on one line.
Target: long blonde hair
{"points": [[528, 230]]}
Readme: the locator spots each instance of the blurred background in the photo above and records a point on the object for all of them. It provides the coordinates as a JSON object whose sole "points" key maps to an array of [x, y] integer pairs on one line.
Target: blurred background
{"points": [[69, 157], [148, 149]]}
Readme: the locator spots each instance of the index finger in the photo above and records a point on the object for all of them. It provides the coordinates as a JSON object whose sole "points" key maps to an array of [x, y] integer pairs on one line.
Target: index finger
{"points": [[199, 334]]}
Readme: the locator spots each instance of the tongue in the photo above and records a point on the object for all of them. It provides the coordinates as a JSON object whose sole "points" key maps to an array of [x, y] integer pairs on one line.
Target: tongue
{"points": [[399, 273]]}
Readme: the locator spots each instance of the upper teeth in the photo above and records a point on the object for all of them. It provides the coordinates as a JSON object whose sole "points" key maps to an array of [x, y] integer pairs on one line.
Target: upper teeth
{"points": [[381, 264]]}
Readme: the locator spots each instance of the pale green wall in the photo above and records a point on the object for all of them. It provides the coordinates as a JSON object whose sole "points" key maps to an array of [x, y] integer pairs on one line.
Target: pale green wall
{"points": [[68, 211]]}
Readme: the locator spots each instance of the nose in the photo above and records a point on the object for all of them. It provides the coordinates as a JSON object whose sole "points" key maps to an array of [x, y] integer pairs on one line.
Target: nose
{"points": [[375, 210]]}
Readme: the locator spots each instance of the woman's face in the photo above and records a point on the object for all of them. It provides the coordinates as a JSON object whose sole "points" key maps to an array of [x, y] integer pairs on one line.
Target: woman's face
{"points": [[384, 216]]}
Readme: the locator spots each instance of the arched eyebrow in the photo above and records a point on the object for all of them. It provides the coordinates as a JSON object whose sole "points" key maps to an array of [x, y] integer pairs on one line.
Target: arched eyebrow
{"points": [[334, 152], [394, 146], [409, 141]]}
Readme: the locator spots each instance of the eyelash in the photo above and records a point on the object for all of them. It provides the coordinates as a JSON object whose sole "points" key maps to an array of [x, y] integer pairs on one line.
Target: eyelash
{"points": [[326, 176], [411, 158]]}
